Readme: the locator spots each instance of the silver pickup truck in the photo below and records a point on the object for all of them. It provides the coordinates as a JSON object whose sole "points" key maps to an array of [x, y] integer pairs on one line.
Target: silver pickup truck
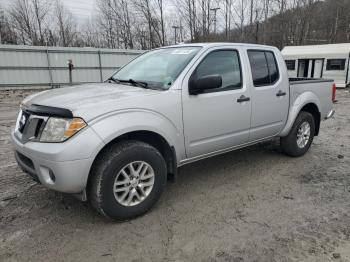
{"points": [[116, 143]]}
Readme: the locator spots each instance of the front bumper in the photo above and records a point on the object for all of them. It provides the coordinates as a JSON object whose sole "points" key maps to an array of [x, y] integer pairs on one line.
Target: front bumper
{"points": [[62, 167]]}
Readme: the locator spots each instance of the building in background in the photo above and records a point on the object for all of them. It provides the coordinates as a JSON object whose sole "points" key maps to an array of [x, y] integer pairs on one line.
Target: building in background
{"points": [[319, 61]]}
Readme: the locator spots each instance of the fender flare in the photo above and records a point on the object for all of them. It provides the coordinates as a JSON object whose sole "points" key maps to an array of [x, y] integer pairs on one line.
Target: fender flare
{"points": [[131, 120], [294, 110]]}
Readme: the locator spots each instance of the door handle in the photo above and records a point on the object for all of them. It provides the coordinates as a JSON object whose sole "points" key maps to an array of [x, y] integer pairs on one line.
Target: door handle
{"points": [[243, 98], [281, 93]]}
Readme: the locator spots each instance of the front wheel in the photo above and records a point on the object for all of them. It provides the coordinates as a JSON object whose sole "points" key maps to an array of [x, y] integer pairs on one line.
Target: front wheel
{"points": [[300, 137], [127, 180]]}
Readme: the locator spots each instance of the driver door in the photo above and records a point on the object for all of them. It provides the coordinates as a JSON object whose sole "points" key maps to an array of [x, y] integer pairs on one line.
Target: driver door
{"points": [[217, 119]]}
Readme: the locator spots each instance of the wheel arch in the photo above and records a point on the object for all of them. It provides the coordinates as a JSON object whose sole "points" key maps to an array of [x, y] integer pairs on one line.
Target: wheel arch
{"points": [[314, 111], [307, 102], [150, 137]]}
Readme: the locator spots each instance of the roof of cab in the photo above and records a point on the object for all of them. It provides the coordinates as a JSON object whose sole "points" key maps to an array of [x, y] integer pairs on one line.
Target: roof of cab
{"points": [[216, 44]]}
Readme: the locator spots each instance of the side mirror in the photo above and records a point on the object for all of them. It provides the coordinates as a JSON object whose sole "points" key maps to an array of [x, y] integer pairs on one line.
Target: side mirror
{"points": [[197, 86]]}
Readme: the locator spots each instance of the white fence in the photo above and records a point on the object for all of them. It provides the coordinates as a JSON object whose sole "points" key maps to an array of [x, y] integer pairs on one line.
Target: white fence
{"points": [[48, 66]]}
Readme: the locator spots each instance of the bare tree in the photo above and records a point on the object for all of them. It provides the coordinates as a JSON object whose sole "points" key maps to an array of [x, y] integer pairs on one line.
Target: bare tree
{"points": [[91, 35], [143, 6], [228, 14], [162, 23], [7, 34], [2, 24], [240, 13], [30, 20], [23, 21], [266, 9], [186, 10], [41, 9], [115, 21], [148, 24], [65, 24], [107, 24]]}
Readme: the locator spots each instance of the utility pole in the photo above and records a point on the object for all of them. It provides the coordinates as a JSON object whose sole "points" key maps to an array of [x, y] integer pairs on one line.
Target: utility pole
{"points": [[175, 31], [215, 10], [181, 36]]}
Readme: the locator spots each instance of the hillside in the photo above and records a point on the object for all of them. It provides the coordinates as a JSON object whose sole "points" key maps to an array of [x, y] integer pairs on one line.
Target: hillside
{"points": [[321, 22]]}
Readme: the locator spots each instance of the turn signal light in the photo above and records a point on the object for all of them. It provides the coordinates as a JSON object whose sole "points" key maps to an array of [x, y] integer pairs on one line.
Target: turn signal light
{"points": [[75, 125]]}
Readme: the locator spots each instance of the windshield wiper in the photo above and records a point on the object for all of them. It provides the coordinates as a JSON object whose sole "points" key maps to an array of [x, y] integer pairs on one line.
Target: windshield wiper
{"points": [[133, 82], [113, 80]]}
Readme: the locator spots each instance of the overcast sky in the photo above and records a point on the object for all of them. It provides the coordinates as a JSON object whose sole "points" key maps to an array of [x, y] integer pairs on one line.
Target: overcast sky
{"points": [[81, 9]]}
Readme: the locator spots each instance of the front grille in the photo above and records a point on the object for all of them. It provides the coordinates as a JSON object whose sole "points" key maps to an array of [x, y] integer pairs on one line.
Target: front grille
{"points": [[30, 126]]}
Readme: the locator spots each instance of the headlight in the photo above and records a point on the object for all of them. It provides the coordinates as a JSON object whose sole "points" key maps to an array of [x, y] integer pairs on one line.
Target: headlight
{"points": [[60, 129]]}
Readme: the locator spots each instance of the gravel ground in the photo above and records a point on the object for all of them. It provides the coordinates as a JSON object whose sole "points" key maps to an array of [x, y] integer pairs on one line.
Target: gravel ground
{"points": [[254, 204]]}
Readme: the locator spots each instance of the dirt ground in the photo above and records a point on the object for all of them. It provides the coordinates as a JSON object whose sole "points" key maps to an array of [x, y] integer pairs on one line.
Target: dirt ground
{"points": [[254, 204]]}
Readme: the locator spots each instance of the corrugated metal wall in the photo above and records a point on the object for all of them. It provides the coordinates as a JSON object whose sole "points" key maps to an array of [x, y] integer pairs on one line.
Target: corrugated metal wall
{"points": [[48, 66]]}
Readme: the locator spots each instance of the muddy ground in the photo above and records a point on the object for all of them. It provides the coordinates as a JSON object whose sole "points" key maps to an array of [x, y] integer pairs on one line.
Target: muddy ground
{"points": [[254, 204]]}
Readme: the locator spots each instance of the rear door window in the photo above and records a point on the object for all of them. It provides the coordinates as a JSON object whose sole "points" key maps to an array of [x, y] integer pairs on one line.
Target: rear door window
{"points": [[260, 70], [272, 64], [264, 67]]}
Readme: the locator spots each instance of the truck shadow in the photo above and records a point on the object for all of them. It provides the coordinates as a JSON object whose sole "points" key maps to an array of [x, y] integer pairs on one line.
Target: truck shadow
{"points": [[225, 165]]}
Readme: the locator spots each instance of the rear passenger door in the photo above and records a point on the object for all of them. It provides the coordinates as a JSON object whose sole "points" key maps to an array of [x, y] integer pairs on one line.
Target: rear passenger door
{"points": [[270, 94]]}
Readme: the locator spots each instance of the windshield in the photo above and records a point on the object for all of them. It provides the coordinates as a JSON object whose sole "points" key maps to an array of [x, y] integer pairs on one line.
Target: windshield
{"points": [[158, 68]]}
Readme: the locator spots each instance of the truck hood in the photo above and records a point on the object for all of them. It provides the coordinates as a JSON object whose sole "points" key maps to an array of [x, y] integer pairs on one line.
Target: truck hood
{"points": [[98, 97]]}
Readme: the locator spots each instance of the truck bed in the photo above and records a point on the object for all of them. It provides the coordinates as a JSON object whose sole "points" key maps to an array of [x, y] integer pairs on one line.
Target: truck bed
{"points": [[319, 90]]}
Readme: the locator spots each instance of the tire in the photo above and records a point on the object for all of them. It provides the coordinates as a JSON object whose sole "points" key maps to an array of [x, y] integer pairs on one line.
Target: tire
{"points": [[108, 169], [289, 144]]}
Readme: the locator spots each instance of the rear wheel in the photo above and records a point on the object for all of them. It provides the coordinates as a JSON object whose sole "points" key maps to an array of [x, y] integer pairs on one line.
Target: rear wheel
{"points": [[300, 137], [127, 180]]}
